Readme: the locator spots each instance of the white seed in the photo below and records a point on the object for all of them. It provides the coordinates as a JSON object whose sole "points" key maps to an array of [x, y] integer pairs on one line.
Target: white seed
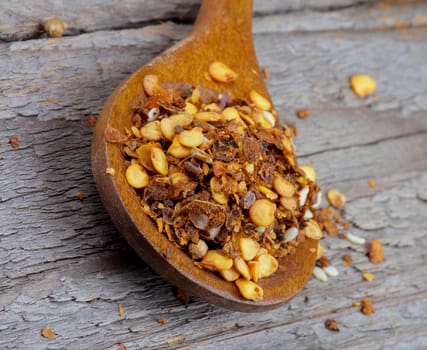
{"points": [[303, 195], [318, 200], [308, 214], [153, 114], [331, 271], [213, 232], [260, 229], [355, 239], [270, 117], [320, 274], [291, 234]]}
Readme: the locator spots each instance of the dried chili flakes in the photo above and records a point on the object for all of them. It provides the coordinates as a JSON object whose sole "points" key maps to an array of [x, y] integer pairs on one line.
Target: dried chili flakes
{"points": [[332, 325], [219, 178], [14, 141]]}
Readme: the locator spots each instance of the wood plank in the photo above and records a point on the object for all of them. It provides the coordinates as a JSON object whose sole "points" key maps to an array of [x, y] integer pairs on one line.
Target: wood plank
{"points": [[62, 262]]}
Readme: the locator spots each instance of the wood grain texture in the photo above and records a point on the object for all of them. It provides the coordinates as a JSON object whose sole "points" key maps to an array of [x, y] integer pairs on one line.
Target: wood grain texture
{"points": [[63, 264]]}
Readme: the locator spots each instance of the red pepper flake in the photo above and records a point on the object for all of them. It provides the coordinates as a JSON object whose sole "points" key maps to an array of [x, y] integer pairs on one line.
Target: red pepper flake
{"points": [[80, 196], [14, 141], [323, 261], [48, 333], [332, 325], [162, 320], [347, 260], [367, 307], [303, 113], [122, 346], [376, 254], [92, 120], [372, 183]]}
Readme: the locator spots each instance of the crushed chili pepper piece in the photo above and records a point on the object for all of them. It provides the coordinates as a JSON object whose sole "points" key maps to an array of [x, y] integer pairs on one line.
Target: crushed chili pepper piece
{"points": [[48, 333], [323, 261], [14, 141], [366, 307], [92, 120], [332, 325], [121, 345], [347, 260], [266, 73], [376, 254], [303, 113], [372, 183], [80, 196], [162, 320]]}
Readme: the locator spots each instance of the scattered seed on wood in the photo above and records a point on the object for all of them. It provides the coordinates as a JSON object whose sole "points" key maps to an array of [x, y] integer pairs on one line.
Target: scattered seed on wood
{"points": [[376, 253], [121, 311], [368, 276], [372, 183], [48, 333], [355, 239], [332, 325], [336, 199], [362, 85], [331, 271], [320, 274], [266, 73]]}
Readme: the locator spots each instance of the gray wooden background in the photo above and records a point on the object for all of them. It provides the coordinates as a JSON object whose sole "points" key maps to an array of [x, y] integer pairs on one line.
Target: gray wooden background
{"points": [[63, 264]]}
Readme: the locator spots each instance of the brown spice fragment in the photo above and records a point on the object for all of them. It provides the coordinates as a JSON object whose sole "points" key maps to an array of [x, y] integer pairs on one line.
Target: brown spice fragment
{"points": [[80, 196], [323, 261], [48, 333], [347, 260], [266, 73], [54, 27], [376, 254], [303, 113], [122, 346], [162, 320], [332, 325], [367, 307], [92, 120], [372, 183], [182, 296], [14, 141]]}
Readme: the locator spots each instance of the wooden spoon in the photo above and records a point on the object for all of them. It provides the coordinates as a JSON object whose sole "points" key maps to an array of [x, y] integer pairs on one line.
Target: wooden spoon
{"points": [[222, 32]]}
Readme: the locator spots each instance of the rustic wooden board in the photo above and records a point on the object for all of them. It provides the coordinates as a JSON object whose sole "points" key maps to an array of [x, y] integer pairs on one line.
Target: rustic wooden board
{"points": [[63, 264]]}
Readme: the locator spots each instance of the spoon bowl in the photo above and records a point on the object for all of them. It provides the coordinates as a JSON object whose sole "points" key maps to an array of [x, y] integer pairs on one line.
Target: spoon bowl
{"points": [[222, 32]]}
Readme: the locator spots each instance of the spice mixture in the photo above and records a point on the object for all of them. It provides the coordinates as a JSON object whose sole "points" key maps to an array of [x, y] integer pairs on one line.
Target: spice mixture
{"points": [[219, 178]]}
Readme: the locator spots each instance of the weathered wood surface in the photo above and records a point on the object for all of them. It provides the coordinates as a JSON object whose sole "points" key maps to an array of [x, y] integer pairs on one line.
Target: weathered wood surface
{"points": [[63, 264]]}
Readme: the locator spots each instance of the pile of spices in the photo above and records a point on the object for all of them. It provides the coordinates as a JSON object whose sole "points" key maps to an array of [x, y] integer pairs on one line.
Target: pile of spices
{"points": [[219, 178]]}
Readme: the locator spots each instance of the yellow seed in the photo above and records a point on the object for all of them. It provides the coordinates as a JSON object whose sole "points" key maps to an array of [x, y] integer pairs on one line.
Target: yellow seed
{"points": [[195, 96], [247, 119], [54, 27], [151, 131], [362, 84], [214, 260], [288, 145], [207, 116], [249, 290], [283, 187], [309, 172], [110, 171], [181, 119], [135, 132], [356, 303], [144, 155], [151, 84], [230, 275], [368, 276], [248, 247], [177, 150], [336, 199], [190, 108], [191, 138], [218, 196], [260, 119], [136, 176], [259, 101], [268, 193], [312, 230], [289, 203], [267, 265], [243, 268], [262, 212], [178, 177], [230, 113], [167, 128], [254, 270], [159, 161], [221, 72]]}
